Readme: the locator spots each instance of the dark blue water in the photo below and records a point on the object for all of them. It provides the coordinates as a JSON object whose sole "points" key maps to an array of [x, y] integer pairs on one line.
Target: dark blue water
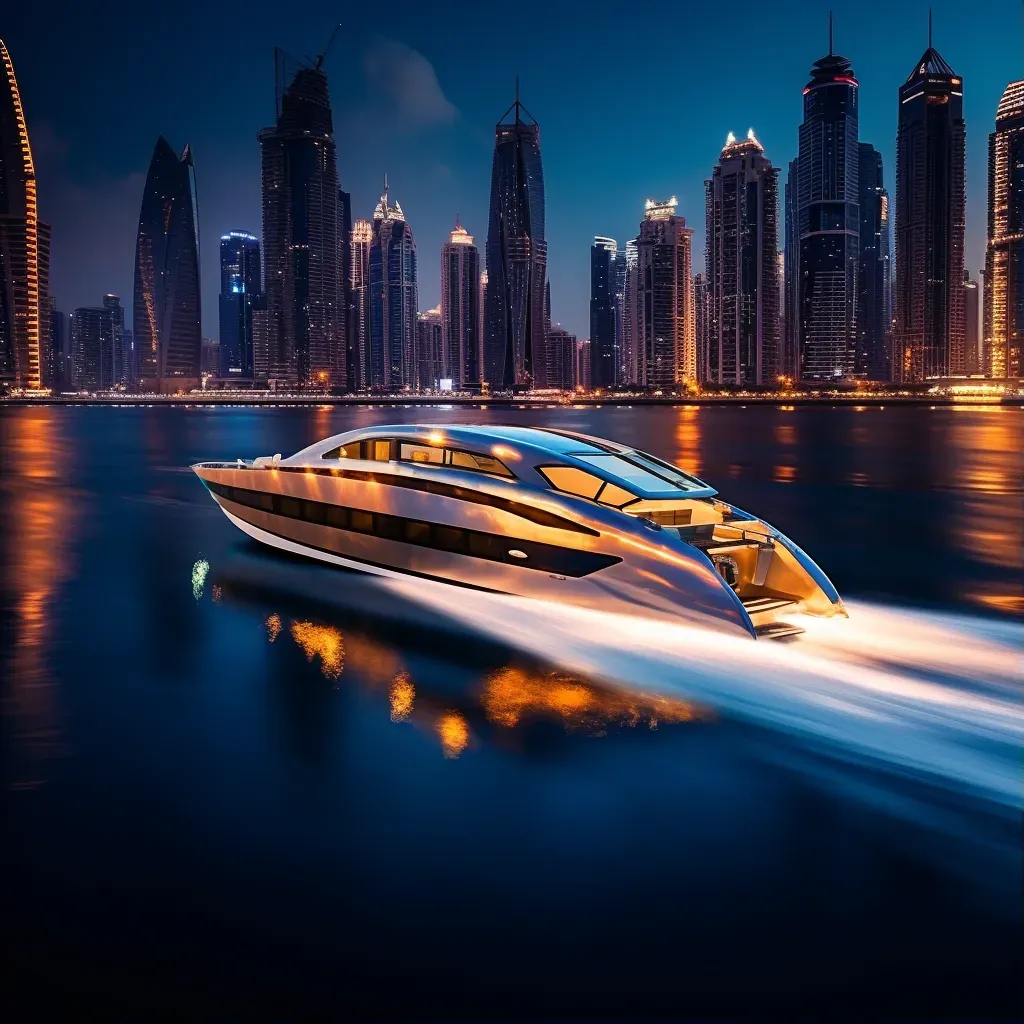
{"points": [[239, 784]]}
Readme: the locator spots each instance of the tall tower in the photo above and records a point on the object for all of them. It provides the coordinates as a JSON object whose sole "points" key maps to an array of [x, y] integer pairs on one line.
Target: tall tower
{"points": [[241, 290], [166, 310], [828, 221], [359, 302], [603, 259], [666, 338], [517, 255], [393, 299], [24, 245], [97, 342], [874, 299], [930, 198], [303, 229], [742, 209], [1004, 257], [630, 330], [460, 310], [429, 357], [789, 357]]}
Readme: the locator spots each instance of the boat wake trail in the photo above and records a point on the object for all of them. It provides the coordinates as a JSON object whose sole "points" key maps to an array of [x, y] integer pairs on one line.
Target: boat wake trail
{"points": [[934, 698]]}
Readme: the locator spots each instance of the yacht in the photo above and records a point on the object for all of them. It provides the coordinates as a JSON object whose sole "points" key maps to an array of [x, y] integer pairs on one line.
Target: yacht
{"points": [[529, 511]]}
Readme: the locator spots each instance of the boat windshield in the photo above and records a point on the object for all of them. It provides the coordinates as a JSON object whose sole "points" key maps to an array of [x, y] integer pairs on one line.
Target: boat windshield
{"points": [[643, 471]]}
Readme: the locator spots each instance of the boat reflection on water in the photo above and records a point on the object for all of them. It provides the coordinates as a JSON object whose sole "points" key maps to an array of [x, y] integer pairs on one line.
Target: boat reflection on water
{"points": [[347, 646]]}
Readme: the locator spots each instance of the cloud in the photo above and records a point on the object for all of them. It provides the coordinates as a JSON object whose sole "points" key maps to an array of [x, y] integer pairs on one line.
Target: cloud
{"points": [[408, 79]]}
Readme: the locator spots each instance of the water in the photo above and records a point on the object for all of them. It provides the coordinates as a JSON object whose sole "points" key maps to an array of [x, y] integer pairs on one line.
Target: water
{"points": [[248, 783]]}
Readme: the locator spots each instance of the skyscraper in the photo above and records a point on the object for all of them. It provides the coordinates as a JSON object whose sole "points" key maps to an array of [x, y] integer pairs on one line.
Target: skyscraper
{"points": [[828, 221], [603, 253], [97, 344], [701, 324], [666, 340], [166, 310], [1004, 257], [561, 358], [351, 354], [429, 355], [393, 299], [241, 289], [874, 296], [973, 350], [24, 245], [741, 205], [789, 356], [630, 330], [460, 309], [516, 255], [303, 233], [359, 302], [930, 195]]}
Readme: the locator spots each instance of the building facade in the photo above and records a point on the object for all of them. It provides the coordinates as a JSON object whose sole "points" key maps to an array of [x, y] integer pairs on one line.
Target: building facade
{"points": [[429, 355], [1004, 255], [241, 291], [827, 223], [701, 324], [742, 267], [928, 336], [874, 288], [462, 346], [359, 302], [561, 358], [303, 234], [394, 300], [666, 338], [630, 330], [516, 256], [97, 346], [166, 309], [789, 356], [603, 285], [974, 351], [24, 246]]}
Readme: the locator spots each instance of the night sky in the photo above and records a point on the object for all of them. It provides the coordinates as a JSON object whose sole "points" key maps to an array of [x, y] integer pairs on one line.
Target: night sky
{"points": [[633, 101]]}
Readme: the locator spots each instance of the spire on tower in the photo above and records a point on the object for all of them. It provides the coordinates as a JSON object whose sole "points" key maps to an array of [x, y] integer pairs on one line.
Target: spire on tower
{"points": [[830, 33]]}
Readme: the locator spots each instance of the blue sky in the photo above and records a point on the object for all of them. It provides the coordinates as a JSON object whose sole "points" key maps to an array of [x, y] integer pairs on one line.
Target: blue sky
{"points": [[632, 102]]}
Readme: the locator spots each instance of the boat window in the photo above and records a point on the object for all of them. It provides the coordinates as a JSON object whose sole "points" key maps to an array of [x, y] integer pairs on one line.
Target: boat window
{"points": [[628, 472], [341, 452], [377, 450], [481, 463], [670, 472], [572, 480], [424, 453], [612, 494]]}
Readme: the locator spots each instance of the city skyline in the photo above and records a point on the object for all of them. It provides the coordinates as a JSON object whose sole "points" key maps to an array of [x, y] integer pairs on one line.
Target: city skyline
{"points": [[591, 190]]}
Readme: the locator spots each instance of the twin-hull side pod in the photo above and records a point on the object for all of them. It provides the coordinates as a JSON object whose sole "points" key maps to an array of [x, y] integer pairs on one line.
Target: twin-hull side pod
{"points": [[527, 511]]}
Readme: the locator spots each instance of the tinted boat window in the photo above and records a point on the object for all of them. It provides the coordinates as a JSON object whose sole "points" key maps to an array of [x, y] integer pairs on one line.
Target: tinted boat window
{"points": [[672, 473], [612, 494], [340, 453], [571, 480], [628, 472], [481, 463], [424, 453]]}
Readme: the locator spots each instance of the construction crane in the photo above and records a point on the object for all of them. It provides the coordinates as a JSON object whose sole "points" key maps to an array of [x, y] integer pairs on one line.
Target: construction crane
{"points": [[330, 42]]}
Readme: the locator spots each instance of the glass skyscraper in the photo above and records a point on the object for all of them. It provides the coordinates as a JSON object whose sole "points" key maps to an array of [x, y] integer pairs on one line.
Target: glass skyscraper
{"points": [[827, 222], [24, 246], [166, 310], [874, 288], [304, 234], [359, 302], [742, 266], [393, 300], [460, 309], [516, 256], [604, 368], [930, 207], [241, 290], [1004, 258]]}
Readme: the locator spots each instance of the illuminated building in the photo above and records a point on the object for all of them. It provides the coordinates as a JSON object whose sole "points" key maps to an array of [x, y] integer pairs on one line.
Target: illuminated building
{"points": [[700, 320], [517, 255], [359, 302], [561, 358], [130, 359], [619, 299], [460, 310], [973, 351], [59, 346], [603, 259], [303, 233], [874, 293], [348, 336], [928, 336], [261, 344], [97, 345], [166, 307], [393, 299], [241, 288], [24, 246], [665, 335], [789, 355], [630, 330], [742, 266], [583, 364], [482, 321], [429, 355], [827, 222], [1004, 257]]}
